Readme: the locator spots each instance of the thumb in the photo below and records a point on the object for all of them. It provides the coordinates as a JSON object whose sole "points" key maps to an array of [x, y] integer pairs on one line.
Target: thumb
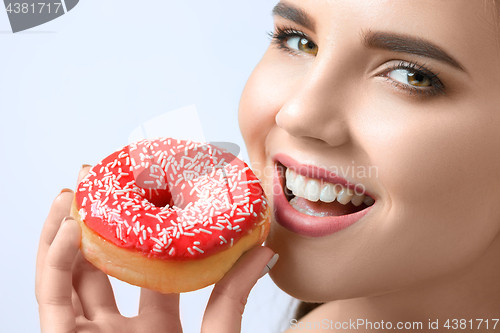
{"points": [[229, 296]]}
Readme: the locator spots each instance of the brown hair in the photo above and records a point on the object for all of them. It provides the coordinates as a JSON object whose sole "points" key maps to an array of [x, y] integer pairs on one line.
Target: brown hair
{"points": [[304, 308]]}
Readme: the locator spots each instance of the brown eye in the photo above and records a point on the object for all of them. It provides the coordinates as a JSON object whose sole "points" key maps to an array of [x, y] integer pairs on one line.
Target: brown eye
{"points": [[412, 78], [302, 44], [418, 79]]}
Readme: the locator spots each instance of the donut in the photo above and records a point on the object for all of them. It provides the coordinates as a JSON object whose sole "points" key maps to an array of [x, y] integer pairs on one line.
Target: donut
{"points": [[170, 215]]}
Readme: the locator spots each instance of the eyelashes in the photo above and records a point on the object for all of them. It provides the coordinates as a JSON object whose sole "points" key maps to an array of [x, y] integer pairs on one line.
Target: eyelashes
{"points": [[417, 80], [425, 82], [280, 36]]}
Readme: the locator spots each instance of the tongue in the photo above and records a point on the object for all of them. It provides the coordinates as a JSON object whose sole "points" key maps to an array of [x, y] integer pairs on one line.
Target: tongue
{"points": [[320, 208]]}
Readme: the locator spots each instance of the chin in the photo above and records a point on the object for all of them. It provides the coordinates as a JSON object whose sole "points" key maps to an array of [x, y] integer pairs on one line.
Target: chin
{"points": [[328, 269], [304, 275]]}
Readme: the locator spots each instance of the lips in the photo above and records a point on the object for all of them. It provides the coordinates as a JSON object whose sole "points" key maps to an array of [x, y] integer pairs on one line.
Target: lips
{"points": [[311, 213]]}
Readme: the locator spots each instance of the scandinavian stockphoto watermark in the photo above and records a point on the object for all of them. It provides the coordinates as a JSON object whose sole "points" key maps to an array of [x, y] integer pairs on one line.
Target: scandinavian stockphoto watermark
{"points": [[185, 123], [26, 14], [357, 174], [359, 324], [365, 324]]}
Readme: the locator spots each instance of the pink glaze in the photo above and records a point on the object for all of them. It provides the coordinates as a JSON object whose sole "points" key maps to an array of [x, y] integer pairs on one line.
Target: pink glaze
{"points": [[215, 199]]}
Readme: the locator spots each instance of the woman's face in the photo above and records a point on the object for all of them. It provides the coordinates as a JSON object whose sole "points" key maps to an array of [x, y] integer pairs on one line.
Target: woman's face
{"points": [[399, 97]]}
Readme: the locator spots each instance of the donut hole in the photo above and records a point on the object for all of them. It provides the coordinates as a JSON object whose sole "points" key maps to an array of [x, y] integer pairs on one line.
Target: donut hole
{"points": [[159, 197], [157, 191]]}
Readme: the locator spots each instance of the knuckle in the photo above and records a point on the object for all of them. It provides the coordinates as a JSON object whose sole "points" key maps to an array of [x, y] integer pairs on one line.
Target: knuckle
{"points": [[237, 301], [60, 264], [47, 300]]}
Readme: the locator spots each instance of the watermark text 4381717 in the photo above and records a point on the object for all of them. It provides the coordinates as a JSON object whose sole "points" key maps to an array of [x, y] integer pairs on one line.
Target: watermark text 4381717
{"points": [[26, 14]]}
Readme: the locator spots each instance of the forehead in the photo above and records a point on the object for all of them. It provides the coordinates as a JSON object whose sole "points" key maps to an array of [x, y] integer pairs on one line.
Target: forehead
{"points": [[465, 28]]}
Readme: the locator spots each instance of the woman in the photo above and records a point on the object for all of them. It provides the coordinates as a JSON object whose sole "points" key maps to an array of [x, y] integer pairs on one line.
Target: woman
{"points": [[397, 97]]}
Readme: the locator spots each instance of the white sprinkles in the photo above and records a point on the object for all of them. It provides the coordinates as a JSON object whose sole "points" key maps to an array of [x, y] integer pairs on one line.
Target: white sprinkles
{"points": [[224, 199]]}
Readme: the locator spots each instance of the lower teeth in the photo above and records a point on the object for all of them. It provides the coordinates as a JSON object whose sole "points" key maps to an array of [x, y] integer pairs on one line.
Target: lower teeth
{"points": [[306, 211]]}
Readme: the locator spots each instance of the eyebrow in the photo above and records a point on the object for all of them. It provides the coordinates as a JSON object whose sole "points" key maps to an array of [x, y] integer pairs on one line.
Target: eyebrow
{"points": [[375, 40], [407, 44], [293, 14]]}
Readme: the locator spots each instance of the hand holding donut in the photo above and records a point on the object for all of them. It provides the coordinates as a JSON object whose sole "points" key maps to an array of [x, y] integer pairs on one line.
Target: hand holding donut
{"points": [[74, 296]]}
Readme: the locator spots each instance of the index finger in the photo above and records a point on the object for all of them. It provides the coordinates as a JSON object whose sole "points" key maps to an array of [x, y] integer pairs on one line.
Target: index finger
{"points": [[60, 208], [55, 300], [227, 302]]}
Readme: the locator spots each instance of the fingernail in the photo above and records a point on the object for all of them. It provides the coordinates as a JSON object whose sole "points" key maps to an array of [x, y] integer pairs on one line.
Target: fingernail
{"points": [[269, 265], [86, 165], [67, 218], [66, 190]]}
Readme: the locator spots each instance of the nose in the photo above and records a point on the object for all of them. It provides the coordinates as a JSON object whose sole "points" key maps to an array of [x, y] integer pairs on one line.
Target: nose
{"points": [[316, 111]]}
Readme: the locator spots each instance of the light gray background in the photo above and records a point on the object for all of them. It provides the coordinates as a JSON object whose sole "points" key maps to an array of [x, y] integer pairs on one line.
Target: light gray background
{"points": [[72, 91]]}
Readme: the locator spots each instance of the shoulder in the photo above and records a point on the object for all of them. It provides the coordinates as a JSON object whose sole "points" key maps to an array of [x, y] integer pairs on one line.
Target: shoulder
{"points": [[318, 320]]}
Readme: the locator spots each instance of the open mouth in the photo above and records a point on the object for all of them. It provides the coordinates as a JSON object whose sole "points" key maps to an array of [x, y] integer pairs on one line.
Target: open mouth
{"points": [[316, 197], [312, 202]]}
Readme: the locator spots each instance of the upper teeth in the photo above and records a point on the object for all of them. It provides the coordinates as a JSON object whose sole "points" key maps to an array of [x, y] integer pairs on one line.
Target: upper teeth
{"points": [[314, 190]]}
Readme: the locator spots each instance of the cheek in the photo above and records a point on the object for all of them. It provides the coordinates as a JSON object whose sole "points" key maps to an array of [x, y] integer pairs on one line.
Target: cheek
{"points": [[256, 110], [440, 175], [265, 92], [450, 162], [439, 179]]}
